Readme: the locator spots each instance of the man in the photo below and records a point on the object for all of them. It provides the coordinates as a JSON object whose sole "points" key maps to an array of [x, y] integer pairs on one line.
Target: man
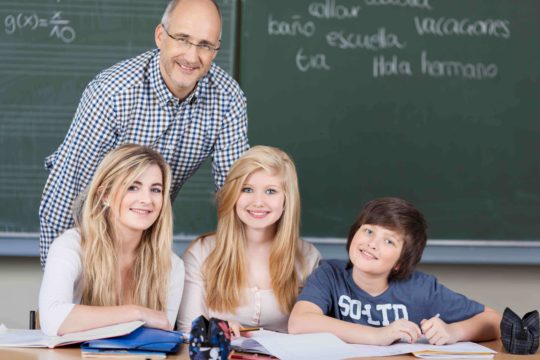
{"points": [[172, 98]]}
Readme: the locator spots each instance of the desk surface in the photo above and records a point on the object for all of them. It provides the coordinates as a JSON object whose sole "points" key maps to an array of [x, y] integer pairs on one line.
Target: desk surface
{"points": [[75, 353]]}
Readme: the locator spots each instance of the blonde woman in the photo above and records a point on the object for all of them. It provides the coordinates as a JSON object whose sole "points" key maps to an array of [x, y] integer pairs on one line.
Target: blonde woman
{"points": [[117, 264], [250, 271]]}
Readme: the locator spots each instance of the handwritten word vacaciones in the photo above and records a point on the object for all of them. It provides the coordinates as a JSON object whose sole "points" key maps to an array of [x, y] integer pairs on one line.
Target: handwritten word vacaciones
{"points": [[450, 26], [59, 27]]}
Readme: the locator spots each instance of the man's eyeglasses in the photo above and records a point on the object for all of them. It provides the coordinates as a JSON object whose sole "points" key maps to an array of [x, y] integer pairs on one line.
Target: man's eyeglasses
{"points": [[184, 44]]}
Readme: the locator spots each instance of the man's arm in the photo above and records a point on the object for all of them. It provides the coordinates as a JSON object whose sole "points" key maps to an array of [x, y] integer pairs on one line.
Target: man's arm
{"points": [[232, 139], [90, 136]]}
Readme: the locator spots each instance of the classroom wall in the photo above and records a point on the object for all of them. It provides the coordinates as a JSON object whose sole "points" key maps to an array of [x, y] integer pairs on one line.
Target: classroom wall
{"points": [[497, 286]]}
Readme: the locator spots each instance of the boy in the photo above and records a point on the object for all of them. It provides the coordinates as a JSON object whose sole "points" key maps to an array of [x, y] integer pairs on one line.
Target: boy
{"points": [[377, 297]]}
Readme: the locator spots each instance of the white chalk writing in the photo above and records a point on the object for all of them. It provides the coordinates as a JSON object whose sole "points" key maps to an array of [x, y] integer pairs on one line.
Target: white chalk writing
{"points": [[450, 26], [314, 61], [291, 27], [390, 66], [330, 10], [378, 41], [445, 68], [59, 27], [421, 4]]}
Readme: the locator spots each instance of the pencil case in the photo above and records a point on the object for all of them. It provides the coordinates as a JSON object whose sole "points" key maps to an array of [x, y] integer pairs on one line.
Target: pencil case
{"points": [[520, 336]]}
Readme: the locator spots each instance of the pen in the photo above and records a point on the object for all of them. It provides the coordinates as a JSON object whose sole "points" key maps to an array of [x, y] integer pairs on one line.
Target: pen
{"points": [[250, 329]]}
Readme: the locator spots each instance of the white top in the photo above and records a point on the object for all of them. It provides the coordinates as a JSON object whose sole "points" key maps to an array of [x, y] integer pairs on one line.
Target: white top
{"points": [[259, 306], [62, 285]]}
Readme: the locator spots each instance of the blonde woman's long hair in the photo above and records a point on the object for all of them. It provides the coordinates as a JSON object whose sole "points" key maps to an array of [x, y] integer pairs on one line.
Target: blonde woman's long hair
{"points": [[100, 244], [224, 270]]}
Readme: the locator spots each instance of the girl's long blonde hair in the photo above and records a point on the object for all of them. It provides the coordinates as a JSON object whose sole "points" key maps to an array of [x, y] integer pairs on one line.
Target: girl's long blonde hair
{"points": [[224, 270], [100, 244]]}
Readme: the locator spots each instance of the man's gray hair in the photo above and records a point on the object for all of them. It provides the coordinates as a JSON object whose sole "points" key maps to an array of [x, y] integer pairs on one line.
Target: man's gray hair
{"points": [[172, 4]]}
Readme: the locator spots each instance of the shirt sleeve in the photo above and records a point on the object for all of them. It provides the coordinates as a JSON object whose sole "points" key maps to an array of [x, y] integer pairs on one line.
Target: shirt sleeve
{"points": [[450, 305], [312, 257], [90, 137], [318, 288], [56, 296], [232, 140], [176, 287], [193, 300]]}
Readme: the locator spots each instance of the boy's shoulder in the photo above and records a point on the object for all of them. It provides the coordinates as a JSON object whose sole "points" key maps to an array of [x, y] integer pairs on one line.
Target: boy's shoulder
{"points": [[418, 279], [332, 269], [334, 265]]}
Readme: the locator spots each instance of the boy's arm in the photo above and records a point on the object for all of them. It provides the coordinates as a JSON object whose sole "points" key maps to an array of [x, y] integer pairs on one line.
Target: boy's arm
{"points": [[481, 327], [306, 317]]}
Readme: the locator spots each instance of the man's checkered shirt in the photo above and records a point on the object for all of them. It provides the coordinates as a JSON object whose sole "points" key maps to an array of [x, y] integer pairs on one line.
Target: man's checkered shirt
{"points": [[130, 103]]}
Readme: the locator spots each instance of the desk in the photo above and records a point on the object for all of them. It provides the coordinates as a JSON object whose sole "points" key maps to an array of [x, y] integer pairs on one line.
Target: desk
{"points": [[73, 353]]}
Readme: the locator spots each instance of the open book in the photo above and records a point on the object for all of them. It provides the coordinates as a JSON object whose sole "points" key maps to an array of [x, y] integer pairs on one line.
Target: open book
{"points": [[328, 346], [36, 338]]}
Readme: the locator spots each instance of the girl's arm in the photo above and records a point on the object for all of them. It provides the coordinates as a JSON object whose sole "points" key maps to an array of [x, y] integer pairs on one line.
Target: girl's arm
{"points": [[307, 317], [481, 327], [60, 291], [84, 317], [193, 301]]}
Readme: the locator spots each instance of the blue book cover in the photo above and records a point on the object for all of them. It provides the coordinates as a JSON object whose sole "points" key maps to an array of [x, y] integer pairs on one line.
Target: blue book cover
{"points": [[143, 338]]}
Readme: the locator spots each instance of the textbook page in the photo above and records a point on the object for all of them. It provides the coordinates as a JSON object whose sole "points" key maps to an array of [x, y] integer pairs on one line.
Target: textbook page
{"points": [[317, 346], [426, 350], [327, 346], [36, 338]]}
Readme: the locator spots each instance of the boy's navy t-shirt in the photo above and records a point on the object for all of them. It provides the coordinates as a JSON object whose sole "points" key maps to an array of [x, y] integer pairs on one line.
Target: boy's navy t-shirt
{"points": [[331, 287]]}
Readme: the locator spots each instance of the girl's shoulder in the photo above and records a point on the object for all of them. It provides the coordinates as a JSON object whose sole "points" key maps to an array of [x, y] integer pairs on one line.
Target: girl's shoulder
{"points": [[200, 248], [69, 240], [308, 250], [176, 261], [311, 257]]}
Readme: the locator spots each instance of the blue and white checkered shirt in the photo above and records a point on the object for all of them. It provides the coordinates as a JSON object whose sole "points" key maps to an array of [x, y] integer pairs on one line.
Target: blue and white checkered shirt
{"points": [[130, 103]]}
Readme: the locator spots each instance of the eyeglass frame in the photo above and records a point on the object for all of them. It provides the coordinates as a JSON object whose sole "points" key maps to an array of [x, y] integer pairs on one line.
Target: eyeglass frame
{"points": [[185, 42]]}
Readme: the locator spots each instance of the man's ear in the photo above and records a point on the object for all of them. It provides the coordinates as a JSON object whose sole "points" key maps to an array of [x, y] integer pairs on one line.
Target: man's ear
{"points": [[158, 36]]}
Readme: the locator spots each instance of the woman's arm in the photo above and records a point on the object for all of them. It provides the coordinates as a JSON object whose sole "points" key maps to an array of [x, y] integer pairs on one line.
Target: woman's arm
{"points": [[307, 317]]}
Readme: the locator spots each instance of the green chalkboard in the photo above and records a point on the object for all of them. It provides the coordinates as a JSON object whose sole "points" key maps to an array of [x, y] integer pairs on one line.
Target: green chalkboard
{"points": [[49, 51], [437, 102]]}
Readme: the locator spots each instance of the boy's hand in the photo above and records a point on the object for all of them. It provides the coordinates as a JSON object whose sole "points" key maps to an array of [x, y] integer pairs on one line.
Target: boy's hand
{"points": [[400, 330], [438, 332]]}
